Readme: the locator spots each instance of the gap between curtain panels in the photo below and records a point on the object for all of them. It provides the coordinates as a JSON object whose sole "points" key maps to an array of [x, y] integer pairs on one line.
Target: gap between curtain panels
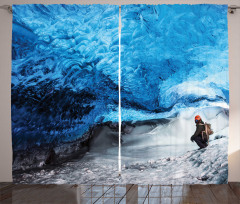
{"points": [[119, 96]]}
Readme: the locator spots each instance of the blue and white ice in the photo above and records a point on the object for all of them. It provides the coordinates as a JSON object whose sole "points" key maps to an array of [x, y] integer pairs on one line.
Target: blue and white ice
{"points": [[173, 57], [64, 71]]}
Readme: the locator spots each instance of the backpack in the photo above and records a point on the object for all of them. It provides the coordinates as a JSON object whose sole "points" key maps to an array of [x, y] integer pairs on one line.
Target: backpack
{"points": [[208, 131]]}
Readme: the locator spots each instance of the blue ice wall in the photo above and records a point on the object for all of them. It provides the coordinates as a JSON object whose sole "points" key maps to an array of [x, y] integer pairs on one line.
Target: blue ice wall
{"points": [[172, 57], [65, 65], [64, 71]]}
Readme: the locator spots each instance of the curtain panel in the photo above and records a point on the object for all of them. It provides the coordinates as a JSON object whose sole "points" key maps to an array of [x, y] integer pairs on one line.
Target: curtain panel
{"points": [[170, 123]]}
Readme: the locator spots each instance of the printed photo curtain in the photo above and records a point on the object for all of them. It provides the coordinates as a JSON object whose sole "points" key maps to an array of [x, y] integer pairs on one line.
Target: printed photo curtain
{"points": [[174, 88], [174, 67]]}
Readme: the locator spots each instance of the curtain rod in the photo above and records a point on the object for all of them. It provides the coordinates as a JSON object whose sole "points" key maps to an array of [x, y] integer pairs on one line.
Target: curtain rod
{"points": [[231, 9]]}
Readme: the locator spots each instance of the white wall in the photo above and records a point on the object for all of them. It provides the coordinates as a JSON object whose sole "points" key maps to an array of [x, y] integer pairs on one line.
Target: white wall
{"points": [[5, 77]]}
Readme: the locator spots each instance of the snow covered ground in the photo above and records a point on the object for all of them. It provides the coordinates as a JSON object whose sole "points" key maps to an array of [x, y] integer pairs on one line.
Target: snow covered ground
{"points": [[151, 155], [203, 166]]}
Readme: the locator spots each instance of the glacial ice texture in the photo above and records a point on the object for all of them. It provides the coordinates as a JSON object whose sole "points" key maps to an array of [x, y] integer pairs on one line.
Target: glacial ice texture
{"points": [[64, 71], [173, 57]]}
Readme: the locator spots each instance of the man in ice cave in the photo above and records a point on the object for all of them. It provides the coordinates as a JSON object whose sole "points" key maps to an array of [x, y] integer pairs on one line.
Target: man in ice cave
{"points": [[200, 129]]}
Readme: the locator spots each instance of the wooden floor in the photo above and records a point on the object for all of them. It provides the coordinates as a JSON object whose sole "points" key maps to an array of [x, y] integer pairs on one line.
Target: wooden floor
{"points": [[109, 194]]}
